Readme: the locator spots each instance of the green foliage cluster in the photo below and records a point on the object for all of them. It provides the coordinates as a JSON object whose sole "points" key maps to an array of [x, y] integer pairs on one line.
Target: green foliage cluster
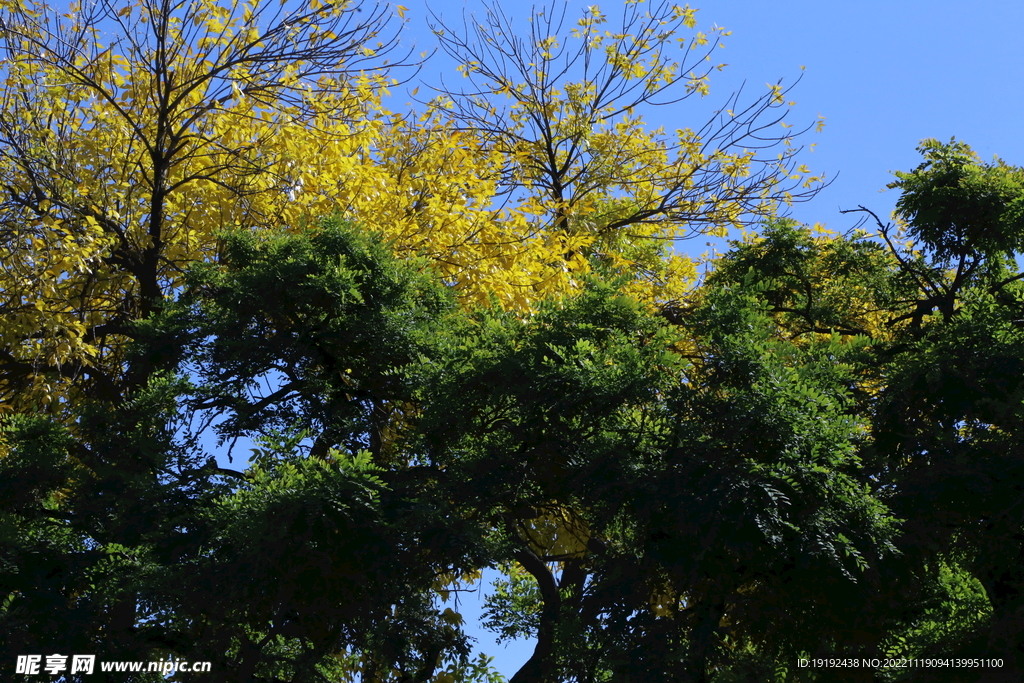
{"points": [[935, 305], [956, 206], [810, 460]]}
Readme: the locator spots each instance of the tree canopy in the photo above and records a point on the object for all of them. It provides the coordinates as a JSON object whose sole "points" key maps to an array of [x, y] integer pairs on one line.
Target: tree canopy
{"points": [[458, 339], [132, 132]]}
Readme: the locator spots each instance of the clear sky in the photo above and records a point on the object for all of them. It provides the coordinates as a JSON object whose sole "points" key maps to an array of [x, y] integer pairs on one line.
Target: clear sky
{"points": [[884, 74]]}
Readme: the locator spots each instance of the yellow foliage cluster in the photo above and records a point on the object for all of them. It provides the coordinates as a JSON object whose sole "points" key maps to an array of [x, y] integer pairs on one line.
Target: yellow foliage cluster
{"points": [[124, 154]]}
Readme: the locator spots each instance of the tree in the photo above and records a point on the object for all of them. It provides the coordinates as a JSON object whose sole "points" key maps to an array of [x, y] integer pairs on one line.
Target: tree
{"points": [[780, 473], [315, 561], [942, 290], [123, 149], [403, 443], [817, 284], [666, 512], [564, 112], [950, 421], [163, 259], [120, 160]]}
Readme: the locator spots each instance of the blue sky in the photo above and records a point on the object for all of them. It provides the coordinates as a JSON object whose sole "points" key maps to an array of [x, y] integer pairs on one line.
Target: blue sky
{"points": [[884, 74]]}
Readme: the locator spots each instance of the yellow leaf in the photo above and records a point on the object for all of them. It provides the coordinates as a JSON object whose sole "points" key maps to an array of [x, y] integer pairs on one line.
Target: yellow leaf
{"points": [[452, 617]]}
